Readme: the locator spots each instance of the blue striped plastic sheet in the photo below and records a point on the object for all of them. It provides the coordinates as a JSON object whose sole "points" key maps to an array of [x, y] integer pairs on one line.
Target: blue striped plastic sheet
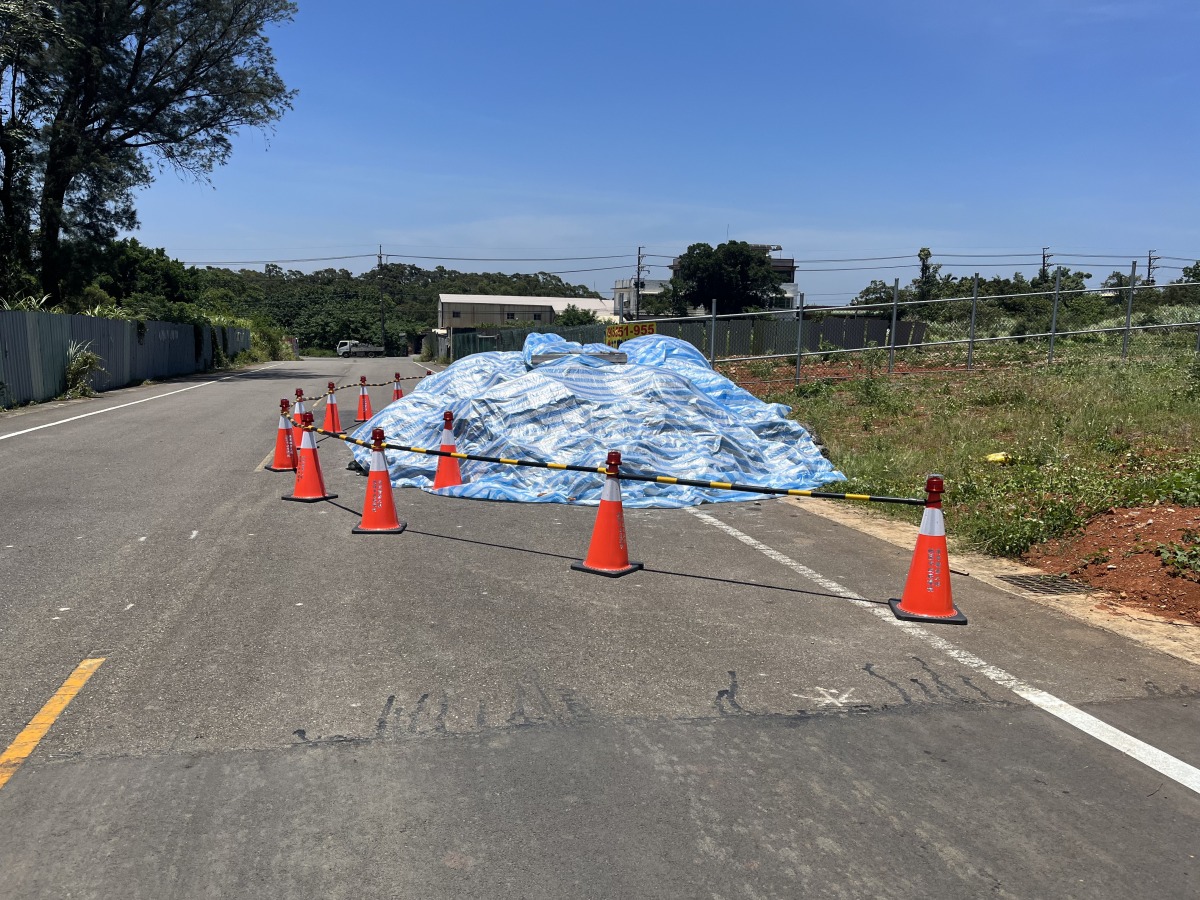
{"points": [[665, 409]]}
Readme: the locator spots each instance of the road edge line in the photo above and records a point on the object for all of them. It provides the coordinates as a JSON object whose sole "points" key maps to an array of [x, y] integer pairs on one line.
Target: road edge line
{"points": [[1177, 770]]}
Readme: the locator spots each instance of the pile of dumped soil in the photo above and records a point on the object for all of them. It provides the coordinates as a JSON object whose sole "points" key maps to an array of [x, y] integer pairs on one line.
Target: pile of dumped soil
{"points": [[1117, 552]]}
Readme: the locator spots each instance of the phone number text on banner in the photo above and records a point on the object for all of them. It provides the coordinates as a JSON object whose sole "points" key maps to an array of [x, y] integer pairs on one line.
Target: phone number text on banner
{"points": [[614, 334]]}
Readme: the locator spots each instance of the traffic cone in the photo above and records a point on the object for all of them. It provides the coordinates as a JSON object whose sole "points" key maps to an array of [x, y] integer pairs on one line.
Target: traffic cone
{"points": [[397, 391], [379, 509], [298, 410], [927, 590], [364, 400], [285, 447], [310, 484], [332, 421], [448, 474], [608, 553]]}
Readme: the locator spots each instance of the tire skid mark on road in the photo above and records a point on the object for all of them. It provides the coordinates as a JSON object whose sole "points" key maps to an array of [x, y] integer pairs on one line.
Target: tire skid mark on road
{"points": [[1163, 763]]}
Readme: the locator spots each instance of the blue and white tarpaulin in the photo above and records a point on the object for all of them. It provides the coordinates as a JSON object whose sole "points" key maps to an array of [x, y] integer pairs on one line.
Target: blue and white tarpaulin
{"points": [[665, 409]]}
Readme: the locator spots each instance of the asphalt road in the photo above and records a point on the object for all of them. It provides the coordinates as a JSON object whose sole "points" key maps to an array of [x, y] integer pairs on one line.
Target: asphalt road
{"points": [[287, 710]]}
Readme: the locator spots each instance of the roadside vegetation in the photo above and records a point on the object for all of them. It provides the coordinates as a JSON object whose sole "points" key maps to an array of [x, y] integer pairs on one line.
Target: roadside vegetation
{"points": [[1081, 436]]}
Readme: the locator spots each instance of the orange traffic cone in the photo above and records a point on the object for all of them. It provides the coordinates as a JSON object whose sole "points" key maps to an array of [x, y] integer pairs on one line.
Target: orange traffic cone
{"points": [[298, 410], [397, 391], [285, 447], [310, 484], [608, 553], [379, 509], [448, 474], [927, 590], [333, 422], [364, 400]]}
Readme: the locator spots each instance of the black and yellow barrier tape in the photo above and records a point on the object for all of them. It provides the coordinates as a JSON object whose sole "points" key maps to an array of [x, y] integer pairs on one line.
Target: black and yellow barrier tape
{"points": [[623, 475], [360, 384]]}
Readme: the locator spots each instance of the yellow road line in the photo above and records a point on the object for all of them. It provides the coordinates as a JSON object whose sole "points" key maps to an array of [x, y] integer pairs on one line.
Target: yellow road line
{"points": [[26, 742]]}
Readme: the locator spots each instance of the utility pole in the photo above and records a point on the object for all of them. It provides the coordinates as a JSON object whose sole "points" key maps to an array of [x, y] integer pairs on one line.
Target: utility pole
{"points": [[382, 328], [1151, 259], [1046, 257], [638, 283]]}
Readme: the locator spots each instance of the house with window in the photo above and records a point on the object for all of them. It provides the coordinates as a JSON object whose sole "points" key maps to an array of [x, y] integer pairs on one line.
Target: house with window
{"points": [[630, 296], [481, 310]]}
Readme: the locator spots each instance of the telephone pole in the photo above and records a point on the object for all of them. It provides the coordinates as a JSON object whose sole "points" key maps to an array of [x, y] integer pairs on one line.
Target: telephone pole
{"points": [[382, 328], [638, 283], [1046, 257], [1151, 259]]}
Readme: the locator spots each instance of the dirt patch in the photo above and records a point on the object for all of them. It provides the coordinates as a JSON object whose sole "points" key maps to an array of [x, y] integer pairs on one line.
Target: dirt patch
{"points": [[1118, 552]]}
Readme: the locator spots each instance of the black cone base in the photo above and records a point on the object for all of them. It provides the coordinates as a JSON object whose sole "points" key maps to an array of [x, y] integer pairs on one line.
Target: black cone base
{"points": [[309, 499], [578, 566], [956, 619], [399, 528]]}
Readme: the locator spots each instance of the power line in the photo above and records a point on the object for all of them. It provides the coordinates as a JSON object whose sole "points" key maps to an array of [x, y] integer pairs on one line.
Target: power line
{"points": [[864, 268], [572, 271], [258, 262], [508, 258]]}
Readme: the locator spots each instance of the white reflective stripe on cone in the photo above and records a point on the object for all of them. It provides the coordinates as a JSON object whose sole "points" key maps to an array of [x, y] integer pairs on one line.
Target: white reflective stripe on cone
{"points": [[611, 490], [378, 461], [307, 442], [932, 523], [447, 437], [284, 423], [332, 401], [299, 410]]}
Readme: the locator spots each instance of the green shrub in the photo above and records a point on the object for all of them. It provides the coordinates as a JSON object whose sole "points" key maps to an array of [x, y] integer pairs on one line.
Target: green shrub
{"points": [[82, 362]]}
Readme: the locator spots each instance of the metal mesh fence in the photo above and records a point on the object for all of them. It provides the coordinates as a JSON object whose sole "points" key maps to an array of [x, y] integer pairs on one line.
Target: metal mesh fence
{"points": [[957, 330]]}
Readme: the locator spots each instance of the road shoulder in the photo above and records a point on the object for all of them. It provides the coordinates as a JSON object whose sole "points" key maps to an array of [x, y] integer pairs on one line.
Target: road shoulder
{"points": [[1095, 608]]}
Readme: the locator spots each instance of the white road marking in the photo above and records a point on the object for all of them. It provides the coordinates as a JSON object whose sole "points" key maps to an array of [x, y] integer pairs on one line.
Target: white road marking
{"points": [[5, 437], [193, 537], [128, 608], [141, 540], [64, 609], [833, 697], [1163, 763]]}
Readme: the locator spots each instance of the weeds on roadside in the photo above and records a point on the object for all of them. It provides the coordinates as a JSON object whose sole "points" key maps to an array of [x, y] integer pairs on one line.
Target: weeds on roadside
{"points": [[1081, 436], [82, 363], [1182, 559]]}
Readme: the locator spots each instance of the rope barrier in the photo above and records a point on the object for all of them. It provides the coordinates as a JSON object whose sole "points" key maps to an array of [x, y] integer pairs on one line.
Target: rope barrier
{"points": [[626, 476], [365, 384]]}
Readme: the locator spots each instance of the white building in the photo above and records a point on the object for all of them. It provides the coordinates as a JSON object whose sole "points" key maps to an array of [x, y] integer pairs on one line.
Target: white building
{"points": [[473, 310], [624, 295]]}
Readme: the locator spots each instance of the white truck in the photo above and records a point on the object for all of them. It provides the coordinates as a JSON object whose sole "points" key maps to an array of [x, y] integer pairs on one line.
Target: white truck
{"points": [[346, 349]]}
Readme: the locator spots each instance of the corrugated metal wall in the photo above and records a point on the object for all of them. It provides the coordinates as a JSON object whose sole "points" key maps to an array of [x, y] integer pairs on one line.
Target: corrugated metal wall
{"points": [[33, 351]]}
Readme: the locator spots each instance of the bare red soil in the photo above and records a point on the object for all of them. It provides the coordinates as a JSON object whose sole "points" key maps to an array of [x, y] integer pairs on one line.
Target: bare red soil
{"points": [[1118, 552]]}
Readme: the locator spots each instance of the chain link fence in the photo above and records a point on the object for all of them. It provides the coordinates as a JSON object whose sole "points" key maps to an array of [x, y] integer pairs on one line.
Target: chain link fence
{"points": [[950, 331]]}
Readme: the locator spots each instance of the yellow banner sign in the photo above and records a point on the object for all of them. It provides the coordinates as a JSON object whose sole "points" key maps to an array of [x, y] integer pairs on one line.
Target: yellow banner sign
{"points": [[614, 334]]}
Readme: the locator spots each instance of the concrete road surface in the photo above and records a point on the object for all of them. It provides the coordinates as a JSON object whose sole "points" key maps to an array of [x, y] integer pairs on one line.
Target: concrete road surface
{"points": [[285, 709]]}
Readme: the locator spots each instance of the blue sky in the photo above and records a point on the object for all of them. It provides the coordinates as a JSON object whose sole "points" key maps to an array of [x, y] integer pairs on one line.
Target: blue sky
{"points": [[851, 129]]}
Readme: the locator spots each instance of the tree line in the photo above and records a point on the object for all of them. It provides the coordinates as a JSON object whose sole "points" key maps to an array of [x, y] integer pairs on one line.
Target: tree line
{"points": [[1079, 305]]}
